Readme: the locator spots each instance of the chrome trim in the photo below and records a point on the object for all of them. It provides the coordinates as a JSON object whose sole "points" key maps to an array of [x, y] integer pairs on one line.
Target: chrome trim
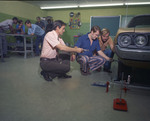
{"points": [[132, 54]]}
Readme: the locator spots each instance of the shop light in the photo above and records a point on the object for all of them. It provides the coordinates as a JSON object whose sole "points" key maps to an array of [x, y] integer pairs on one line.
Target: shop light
{"points": [[97, 5], [101, 5], [138, 3], [59, 7]]}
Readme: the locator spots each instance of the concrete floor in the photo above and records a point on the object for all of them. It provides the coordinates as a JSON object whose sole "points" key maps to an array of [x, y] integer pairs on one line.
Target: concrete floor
{"points": [[26, 96]]}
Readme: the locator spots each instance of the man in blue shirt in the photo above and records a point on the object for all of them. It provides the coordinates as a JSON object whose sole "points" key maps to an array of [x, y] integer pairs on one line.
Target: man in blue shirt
{"points": [[90, 43], [34, 29], [40, 23], [20, 29]]}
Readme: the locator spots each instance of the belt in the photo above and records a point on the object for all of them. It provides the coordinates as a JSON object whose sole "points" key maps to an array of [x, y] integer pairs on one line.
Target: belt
{"points": [[47, 59]]}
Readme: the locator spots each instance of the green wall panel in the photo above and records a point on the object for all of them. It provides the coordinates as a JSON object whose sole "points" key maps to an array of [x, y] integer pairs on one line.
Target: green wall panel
{"points": [[23, 10], [69, 33], [86, 13]]}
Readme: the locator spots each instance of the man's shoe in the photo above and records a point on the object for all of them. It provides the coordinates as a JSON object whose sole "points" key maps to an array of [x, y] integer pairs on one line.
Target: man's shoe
{"points": [[64, 76], [46, 76], [107, 70], [99, 69], [85, 73]]}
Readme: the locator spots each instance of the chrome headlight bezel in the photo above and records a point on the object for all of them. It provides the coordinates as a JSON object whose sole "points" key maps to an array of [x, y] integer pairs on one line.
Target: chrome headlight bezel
{"points": [[140, 40], [124, 40]]}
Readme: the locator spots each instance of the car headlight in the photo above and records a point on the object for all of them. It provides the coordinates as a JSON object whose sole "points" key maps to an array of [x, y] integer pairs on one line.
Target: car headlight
{"points": [[140, 41], [124, 40]]}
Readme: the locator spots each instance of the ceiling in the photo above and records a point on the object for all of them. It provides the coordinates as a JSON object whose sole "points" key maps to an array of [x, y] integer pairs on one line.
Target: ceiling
{"points": [[52, 3]]}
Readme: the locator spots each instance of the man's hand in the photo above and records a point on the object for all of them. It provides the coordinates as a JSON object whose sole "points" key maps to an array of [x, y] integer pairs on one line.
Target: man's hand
{"points": [[111, 59], [19, 27], [73, 57], [79, 50]]}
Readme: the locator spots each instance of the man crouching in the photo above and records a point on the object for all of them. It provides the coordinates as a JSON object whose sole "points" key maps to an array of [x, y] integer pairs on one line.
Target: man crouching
{"points": [[52, 63]]}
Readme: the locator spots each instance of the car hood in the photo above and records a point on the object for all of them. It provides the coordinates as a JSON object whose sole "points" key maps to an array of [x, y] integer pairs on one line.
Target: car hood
{"points": [[137, 30], [141, 30]]}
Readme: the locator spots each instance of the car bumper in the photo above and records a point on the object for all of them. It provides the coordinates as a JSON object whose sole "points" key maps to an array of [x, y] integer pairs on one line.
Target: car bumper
{"points": [[132, 54]]}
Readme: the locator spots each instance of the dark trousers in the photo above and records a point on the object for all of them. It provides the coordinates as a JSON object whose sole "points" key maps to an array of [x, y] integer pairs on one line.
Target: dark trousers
{"points": [[110, 54], [19, 39], [4, 42], [39, 39], [58, 66]]}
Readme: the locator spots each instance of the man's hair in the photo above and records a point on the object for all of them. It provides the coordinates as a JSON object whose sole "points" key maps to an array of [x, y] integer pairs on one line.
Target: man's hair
{"points": [[15, 18], [38, 17], [95, 29], [19, 21], [105, 31], [27, 22], [58, 23], [50, 21]]}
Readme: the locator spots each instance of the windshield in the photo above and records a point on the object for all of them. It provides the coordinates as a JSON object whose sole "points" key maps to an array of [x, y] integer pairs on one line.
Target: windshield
{"points": [[141, 20]]}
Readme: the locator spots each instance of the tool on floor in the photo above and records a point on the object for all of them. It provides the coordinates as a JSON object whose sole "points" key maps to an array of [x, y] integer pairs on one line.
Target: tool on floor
{"points": [[126, 84], [101, 84], [119, 103], [104, 84], [107, 86]]}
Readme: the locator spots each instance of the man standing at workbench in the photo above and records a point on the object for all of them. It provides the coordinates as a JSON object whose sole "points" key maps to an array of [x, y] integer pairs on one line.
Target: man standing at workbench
{"points": [[4, 27]]}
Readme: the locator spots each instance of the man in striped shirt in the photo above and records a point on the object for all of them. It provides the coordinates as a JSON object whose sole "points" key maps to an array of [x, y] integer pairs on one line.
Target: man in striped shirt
{"points": [[90, 43]]}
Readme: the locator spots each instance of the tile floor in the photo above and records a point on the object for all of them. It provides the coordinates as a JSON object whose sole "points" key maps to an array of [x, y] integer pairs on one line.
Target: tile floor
{"points": [[26, 96]]}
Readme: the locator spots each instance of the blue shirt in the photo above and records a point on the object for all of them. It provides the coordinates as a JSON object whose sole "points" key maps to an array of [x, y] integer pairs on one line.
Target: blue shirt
{"points": [[19, 31], [84, 42], [36, 30], [41, 24]]}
